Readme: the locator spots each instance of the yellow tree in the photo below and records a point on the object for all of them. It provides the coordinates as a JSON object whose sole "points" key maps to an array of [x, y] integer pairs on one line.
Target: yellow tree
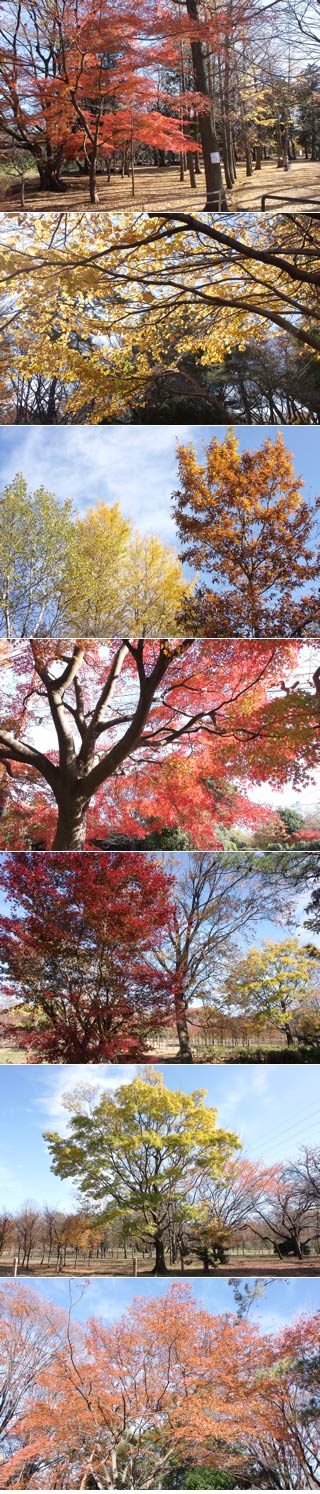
{"points": [[243, 522], [273, 983], [116, 580], [94, 574], [139, 298], [132, 1153]]}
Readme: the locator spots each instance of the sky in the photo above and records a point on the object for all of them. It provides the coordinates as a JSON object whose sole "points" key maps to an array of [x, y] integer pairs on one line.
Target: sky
{"points": [[134, 466], [282, 1301], [293, 927], [273, 1109]]}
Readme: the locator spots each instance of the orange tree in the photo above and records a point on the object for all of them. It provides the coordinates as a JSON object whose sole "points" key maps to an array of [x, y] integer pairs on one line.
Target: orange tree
{"points": [[169, 1384], [242, 521]]}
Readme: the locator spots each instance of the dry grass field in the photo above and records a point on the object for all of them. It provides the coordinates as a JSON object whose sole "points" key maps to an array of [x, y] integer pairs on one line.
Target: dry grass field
{"points": [[161, 190], [115, 1263]]}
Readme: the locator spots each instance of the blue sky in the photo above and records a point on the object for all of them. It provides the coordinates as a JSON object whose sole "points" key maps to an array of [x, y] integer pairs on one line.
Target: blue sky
{"points": [[252, 934], [275, 1109], [130, 465], [108, 1298]]}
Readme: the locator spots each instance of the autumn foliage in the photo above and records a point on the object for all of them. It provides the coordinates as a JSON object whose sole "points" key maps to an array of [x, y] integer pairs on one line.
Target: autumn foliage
{"points": [[91, 574], [88, 89], [169, 1384], [119, 956], [218, 1219], [177, 291], [160, 724], [243, 523], [244, 526], [82, 82], [78, 955]]}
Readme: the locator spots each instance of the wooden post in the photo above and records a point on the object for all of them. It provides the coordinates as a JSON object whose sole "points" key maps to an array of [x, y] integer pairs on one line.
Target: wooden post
{"points": [[15, 1266]]}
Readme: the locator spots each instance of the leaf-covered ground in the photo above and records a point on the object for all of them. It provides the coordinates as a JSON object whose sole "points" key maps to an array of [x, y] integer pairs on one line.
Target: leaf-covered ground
{"points": [[162, 189], [115, 1264]]}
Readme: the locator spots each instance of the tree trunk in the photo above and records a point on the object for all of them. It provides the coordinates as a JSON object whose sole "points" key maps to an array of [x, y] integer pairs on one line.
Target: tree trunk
{"points": [[248, 158], [160, 1268], [190, 165], [216, 197], [182, 1029], [94, 198], [49, 173], [71, 826]]}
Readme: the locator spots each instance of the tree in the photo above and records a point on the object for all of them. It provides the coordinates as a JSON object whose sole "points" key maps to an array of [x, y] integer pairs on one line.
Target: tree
{"points": [[76, 84], [77, 955], [227, 1204], [215, 897], [242, 521], [306, 1175], [30, 1337], [287, 1218], [35, 532], [94, 574], [172, 713], [116, 580], [131, 1153], [308, 94], [171, 288], [168, 1386], [273, 984]]}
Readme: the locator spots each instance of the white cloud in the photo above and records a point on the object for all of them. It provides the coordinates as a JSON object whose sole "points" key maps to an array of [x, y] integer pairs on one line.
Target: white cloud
{"points": [[134, 466], [63, 1081]]}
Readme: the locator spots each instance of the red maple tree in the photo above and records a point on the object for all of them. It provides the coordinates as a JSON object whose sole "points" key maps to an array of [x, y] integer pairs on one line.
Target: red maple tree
{"points": [[129, 725], [76, 955]]}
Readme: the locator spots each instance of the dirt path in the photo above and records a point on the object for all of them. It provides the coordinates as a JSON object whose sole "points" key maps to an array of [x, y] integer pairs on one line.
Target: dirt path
{"points": [[162, 190]]}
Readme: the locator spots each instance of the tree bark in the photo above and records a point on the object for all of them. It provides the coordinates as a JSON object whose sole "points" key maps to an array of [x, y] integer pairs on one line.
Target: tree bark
{"points": [[160, 1268], [71, 826], [182, 1029], [94, 197], [216, 197]]}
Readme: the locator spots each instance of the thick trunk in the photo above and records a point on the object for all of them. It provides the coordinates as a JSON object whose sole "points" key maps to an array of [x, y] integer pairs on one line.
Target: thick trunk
{"points": [[216, 198], [160, 1268], [182, 1028], [71, 826], [49, 171]]}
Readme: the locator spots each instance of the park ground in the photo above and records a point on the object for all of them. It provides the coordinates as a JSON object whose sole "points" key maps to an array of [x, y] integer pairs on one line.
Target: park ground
{"points": [[116, 1265], [216, 1055], [161, 190]]}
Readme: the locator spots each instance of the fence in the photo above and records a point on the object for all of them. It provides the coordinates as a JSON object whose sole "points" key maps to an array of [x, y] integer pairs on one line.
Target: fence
{"points": [[275, 197]]}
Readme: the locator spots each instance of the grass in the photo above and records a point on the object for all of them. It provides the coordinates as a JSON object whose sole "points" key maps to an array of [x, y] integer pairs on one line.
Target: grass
{"points": [[295, 1054], [162, 189], [12, 1055]]}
